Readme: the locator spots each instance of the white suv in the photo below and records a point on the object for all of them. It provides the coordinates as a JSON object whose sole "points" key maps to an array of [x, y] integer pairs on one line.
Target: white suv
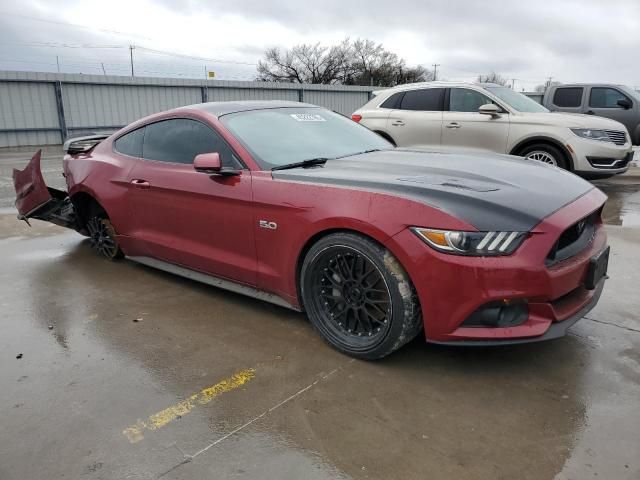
{"points": [[495, 118]]}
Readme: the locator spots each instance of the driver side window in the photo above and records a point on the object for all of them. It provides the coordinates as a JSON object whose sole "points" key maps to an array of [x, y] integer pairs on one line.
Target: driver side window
{"points": [[465, 100], [180, 140], [603, 97]]}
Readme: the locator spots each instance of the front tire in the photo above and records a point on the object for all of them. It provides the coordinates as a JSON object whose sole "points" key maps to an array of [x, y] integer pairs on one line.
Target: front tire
{"points": [[358, 296], [545, 153]]}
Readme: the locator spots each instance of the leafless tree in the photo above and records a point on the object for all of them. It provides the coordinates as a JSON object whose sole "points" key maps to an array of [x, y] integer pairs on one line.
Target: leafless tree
{"points": [[305, 64], [361, 62], [492, 77]]}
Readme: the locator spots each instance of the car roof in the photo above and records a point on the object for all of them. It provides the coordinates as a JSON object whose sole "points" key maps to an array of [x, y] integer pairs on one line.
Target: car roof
{"points": [[417, 85], [219, 109], [590, 85]]}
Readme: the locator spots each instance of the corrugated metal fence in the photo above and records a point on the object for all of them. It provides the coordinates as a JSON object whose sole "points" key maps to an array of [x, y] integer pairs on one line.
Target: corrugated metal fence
{"points": [[46, 108]]}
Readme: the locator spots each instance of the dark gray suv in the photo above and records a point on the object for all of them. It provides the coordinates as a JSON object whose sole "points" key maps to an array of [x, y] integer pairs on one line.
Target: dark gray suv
{"points": [[617, 102]]}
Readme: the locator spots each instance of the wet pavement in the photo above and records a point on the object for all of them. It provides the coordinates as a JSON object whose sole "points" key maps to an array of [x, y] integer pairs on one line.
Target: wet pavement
{"points": [[130, 373]]}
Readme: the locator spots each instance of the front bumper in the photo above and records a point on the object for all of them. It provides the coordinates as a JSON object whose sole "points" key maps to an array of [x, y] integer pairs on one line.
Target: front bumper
{"points": [[595, 157], [556, 329], [451, 288]]}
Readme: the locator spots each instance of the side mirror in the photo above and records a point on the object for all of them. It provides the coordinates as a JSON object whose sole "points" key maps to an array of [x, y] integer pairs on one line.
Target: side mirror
{"points": [[490, 109], [625, 103], [207, 163], [210, 163]]}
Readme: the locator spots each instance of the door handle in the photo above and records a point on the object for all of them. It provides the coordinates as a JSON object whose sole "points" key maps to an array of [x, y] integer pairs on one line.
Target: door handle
{"points": [[590, 112], [453, 125], [398, 123], [142, 184]]}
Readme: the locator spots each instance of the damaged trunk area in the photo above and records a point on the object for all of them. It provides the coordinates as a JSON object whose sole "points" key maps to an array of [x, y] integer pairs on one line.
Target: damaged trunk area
{"points": [[58, 210], [35, 200]]}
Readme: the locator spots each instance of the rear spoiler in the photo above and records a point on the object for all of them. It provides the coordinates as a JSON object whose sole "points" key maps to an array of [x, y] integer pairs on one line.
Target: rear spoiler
{"points": [[77, 145]]}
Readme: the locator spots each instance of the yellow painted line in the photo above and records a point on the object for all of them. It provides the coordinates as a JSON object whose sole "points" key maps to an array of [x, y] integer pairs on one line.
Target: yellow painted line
{"points": [[160, 419]]}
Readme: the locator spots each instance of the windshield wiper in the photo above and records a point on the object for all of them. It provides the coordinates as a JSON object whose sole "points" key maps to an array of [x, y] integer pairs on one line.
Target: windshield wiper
{"points": [[304, 163], [360, 153]]}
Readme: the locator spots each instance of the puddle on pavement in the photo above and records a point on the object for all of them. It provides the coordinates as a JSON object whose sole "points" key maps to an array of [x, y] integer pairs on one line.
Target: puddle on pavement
{"points": [[623, 206]]}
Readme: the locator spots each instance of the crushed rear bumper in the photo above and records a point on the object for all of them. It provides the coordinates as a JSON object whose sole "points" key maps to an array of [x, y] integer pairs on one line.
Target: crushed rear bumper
{"points": [[35, 200]]}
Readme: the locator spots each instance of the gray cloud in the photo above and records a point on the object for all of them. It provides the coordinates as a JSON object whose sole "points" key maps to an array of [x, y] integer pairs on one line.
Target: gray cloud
{"points": [[586, 40]]}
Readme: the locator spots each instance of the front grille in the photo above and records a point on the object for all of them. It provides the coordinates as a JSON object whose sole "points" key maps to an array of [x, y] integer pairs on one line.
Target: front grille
{"points": [[616, 136], [574, 239], [606, 162]]}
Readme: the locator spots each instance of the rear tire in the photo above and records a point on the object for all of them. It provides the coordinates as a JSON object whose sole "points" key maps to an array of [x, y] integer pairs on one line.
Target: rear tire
{"points": [[358, 296], [545, 153], [102, 238]]}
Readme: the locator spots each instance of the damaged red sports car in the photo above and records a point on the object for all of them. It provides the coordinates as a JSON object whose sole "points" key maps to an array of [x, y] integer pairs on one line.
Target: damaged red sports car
{"points": [[299, 206]]}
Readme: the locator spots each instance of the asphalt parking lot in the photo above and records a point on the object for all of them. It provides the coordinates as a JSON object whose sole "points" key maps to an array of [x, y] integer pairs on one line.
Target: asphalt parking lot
{"points": [[125, 372]]}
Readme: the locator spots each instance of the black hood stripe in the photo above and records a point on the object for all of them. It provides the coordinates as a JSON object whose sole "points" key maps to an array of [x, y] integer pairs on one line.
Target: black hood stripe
{"points": [[489, 191]]}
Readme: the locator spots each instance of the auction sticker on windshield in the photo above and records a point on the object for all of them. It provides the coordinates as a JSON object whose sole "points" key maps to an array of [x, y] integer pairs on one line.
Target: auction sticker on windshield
{"points": [[307, 117]]}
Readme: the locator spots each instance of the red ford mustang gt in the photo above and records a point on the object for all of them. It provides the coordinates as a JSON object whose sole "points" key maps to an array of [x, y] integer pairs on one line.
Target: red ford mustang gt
{"points": [[299, 206]]}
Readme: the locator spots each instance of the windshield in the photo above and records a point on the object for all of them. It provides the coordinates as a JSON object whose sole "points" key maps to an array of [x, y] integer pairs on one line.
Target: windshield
{"points": [[634, 93], [281, 136], [517, 101]]}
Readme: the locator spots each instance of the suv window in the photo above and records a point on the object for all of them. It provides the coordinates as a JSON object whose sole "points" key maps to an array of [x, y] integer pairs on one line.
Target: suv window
{"points": [[180, 140], [130, 143], [602, 97], [427, 100], [392, 101], [568, 97], [465, 100]]}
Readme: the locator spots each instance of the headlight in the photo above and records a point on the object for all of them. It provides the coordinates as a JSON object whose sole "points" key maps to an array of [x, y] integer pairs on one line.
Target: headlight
{"points": [[591, 134], [479, 244]]}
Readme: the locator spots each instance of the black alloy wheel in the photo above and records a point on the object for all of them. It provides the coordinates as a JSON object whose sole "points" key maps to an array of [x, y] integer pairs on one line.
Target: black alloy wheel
{"points": [[102, 238], [352, 296]]}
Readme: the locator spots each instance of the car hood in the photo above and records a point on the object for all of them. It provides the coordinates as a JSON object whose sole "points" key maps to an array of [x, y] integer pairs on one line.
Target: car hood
{"points": [[569, 120], [489, 191]]}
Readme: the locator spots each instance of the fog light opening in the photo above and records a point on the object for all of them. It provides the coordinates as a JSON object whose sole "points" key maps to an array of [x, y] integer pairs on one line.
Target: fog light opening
{"points": [[501, 314]]}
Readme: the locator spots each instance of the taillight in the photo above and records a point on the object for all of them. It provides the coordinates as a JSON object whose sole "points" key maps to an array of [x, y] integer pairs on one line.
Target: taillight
{"points": [[356, 118]]}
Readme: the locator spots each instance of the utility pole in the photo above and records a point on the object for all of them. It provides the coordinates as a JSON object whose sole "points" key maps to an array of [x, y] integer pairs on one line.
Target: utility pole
{"points": [[548, 84], [435, 71], [58, 63], [131, 47], [103, 70]]}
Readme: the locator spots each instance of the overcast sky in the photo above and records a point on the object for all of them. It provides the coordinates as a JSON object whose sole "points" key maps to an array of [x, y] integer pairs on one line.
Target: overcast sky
{"points": [[587, 40]]}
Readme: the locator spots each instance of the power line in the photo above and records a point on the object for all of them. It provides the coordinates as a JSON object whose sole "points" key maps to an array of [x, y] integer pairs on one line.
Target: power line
{"points": [[146, 49], [173, 54], [59, 45], [68, 24]]}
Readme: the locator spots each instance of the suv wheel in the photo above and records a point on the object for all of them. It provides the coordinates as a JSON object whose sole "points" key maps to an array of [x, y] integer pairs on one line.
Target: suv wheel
{"points": [[358, 296], [546, 154]]}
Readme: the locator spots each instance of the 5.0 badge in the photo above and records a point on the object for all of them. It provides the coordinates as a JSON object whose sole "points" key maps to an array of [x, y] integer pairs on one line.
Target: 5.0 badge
{"points": [[268, 224]]}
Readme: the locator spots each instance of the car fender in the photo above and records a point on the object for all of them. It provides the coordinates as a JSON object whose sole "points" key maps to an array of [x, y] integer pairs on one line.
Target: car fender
{"points": [[542, 137], [291, 227]]}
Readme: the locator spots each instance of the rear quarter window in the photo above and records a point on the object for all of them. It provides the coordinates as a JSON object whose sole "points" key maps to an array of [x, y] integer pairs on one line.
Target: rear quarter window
{"points": [[393, 101], [427, 100], [130, 143], [568, 97]]}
